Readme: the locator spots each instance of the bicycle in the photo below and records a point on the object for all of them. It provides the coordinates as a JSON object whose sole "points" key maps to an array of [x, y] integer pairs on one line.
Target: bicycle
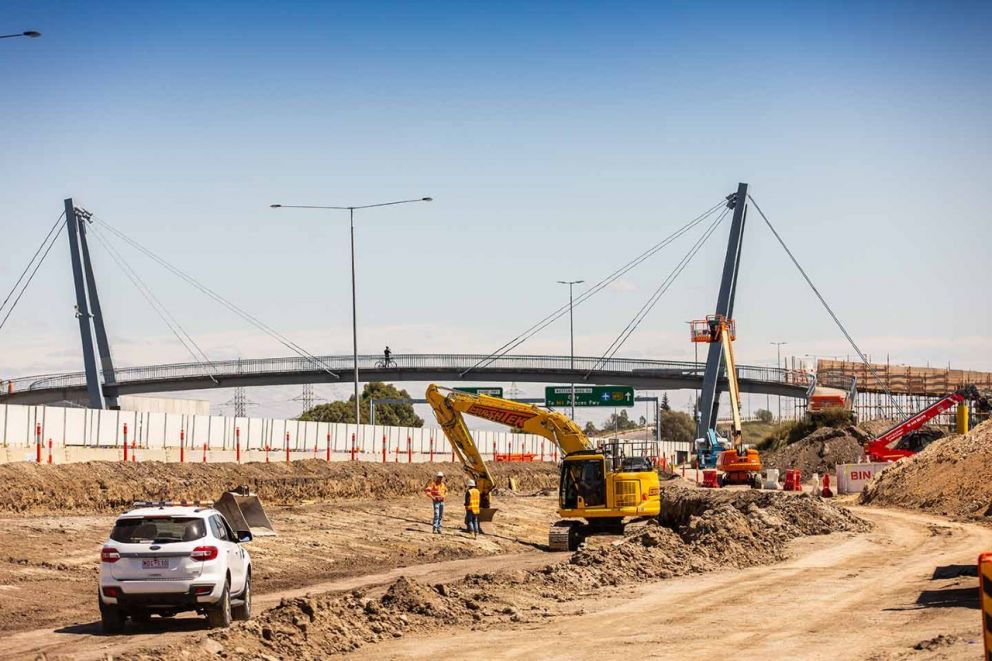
{"points": [[385, 364]]}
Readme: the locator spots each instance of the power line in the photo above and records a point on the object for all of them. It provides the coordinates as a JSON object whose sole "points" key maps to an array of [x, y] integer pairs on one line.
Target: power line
{"points": [[50, 239], [286, 342], [592, 291], [826, 306]]}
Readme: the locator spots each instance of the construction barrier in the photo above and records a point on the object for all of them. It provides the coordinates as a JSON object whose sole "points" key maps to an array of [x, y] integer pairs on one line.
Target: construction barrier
{"points": [[516, 456], [985, 596], [851, 478]]}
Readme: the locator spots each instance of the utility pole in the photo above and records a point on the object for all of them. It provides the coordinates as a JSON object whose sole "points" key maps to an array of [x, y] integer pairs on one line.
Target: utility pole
{"points": [[571, 333], [778, 363]]}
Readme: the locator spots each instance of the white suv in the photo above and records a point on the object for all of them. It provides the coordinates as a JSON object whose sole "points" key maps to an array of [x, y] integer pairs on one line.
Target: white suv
{"points": [[166, 559]]}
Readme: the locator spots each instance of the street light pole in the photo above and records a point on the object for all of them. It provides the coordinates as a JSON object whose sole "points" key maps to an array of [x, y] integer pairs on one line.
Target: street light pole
{"points": [[354, 295], [571, 333], [778, 363]]}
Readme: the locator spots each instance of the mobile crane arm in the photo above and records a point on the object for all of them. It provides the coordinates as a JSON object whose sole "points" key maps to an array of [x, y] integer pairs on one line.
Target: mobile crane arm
{"points": [[882, 447]]}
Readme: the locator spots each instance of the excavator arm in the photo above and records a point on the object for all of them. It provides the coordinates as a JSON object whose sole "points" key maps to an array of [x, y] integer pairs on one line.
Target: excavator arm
{"points": [[453, 424], [451, 405]]}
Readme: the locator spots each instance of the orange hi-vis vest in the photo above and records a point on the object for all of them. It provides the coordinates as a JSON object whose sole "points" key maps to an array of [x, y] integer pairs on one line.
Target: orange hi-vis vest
{"points": [[436, 491], [473, 501]]}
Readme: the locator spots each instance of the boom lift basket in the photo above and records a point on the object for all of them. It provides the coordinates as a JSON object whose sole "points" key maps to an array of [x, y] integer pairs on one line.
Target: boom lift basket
{"points": [[244, 511]]}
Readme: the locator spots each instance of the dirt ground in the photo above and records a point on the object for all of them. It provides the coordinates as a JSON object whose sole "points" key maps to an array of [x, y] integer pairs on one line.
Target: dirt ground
{"points": [[952, 477], [820, 452], [364, 577], [316, 543]]}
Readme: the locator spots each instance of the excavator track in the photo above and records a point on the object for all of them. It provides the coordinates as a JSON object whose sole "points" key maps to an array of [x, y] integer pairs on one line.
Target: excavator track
{"points": [[563, 536]]}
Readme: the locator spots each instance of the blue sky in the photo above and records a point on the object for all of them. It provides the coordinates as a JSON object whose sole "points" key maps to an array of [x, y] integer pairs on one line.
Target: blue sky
{"points": [[558, 139]]}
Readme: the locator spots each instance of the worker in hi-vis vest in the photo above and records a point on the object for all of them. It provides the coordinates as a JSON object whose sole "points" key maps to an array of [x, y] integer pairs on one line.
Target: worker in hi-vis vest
{"points": [[436, 490], [472, 501]]}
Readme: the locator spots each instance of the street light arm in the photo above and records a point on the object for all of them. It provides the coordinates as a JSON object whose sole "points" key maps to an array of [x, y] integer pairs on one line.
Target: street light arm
{"points": [[27, 33], [364, 206]]}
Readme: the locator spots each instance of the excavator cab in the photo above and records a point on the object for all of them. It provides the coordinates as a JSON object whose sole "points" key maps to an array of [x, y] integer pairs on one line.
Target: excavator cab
{"points": [[583, 482]]}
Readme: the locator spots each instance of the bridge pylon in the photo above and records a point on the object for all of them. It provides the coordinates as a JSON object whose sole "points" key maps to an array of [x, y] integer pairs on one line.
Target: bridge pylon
{"points": [[88, 312]]}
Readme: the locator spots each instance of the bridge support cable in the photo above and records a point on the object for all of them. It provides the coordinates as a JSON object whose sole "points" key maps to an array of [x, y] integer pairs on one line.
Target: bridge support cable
{"points": [[21, 285], [254, 321], [826, 306], [669, 280], [194, 350], [592, 291]]}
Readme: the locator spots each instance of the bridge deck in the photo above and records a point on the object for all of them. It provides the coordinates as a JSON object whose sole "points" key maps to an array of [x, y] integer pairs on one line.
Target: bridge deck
{"points": [[443, 368]]}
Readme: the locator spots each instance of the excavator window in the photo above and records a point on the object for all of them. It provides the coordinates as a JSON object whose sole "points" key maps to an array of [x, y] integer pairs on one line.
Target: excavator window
{"points": [[585, 478]]}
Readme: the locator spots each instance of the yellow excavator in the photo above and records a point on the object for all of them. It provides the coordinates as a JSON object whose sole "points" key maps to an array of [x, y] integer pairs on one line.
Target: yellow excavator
{"points": [[599, 488]]}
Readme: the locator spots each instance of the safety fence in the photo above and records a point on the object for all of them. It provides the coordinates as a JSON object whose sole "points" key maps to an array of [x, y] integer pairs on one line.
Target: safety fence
{"points": [[35, 428]]}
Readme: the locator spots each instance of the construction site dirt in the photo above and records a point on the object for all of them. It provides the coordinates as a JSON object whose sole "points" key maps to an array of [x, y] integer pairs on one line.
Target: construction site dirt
{"points": [[363, 576]]}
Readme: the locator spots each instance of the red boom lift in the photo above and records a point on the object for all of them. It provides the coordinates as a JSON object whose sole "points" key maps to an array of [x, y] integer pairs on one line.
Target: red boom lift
{"points": [[883, 447]]}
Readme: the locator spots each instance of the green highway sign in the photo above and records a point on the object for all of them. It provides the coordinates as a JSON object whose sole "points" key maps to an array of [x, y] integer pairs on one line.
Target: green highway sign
{"points": [[492, 391], [589, 396]]}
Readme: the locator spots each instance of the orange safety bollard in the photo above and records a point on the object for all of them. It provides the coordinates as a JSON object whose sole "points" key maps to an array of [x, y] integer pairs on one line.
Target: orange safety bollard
{"points": [[353, 447], [409, 450], [432, 449], [384, 448], [237, 444], [49, 450], [542, 451], [267, 447], [134, 455], [37, 441], [182, 446], [287, 447], [985, 598], [710, 480], [204, 453], [826, 492], [125, 442], [328, 447]]}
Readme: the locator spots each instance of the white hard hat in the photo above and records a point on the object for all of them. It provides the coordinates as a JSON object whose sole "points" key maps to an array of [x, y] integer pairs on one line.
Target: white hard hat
{"points": [[439, 474], [471, 483]]}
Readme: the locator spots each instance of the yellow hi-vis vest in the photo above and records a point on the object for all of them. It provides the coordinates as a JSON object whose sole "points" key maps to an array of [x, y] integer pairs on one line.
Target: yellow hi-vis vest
{"points": [[473, 501]]}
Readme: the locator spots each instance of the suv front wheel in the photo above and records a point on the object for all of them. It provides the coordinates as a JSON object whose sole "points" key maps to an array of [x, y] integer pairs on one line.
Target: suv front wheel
{"points": [[219, 615], [243, 610]]}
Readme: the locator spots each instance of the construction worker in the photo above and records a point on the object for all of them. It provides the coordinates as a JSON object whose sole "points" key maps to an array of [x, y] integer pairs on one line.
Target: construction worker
{"points": [[472, 503], [436, 489]]}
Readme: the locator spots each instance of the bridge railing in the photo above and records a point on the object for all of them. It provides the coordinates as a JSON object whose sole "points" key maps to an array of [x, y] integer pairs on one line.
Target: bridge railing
{"points": [[343, 365]]}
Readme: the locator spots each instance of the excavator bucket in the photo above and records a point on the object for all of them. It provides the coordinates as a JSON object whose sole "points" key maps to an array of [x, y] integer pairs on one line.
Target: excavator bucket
{"points": [[244, 511], [486, 514]]}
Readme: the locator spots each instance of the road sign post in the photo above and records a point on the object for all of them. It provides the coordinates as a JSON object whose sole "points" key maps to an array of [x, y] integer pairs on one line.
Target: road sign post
{"points": [[561, 396]]}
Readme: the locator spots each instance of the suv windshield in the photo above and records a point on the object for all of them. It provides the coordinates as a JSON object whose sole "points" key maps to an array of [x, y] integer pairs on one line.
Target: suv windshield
{"points": [[157, 529]]}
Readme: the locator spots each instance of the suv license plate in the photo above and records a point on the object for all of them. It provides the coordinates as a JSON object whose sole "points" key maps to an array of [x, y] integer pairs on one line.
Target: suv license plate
{"points": [[155, 563]]}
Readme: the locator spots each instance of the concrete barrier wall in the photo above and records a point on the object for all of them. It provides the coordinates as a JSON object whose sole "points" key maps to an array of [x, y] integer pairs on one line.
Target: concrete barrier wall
{"points": [[88, 434]]}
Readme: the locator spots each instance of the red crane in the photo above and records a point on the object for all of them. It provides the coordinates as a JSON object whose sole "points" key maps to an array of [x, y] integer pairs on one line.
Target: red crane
{"points": [[882, 448]]}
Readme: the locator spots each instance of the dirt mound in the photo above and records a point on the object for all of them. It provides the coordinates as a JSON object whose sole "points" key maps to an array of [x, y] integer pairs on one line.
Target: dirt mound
{"points": [[100, 486], [820, 452], [719, 529], [952, 477]]}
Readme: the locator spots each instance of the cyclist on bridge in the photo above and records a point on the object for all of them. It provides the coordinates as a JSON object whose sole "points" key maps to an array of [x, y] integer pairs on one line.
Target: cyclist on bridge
{"points": [[386, 354]]}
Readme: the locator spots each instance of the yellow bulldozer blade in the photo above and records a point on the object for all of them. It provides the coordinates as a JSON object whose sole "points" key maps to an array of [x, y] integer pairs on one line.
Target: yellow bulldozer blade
{"points": [[244, 511]]}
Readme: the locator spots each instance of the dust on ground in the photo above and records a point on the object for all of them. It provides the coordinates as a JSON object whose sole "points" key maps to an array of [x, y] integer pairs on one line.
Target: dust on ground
{"points": [[104, 486], [820, 452], [719, 529], [952, 477], [57, 555]]}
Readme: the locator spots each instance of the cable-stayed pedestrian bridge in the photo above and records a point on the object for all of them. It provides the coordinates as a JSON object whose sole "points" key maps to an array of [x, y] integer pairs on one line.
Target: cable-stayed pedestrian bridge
{"points": [[642, 374]]}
